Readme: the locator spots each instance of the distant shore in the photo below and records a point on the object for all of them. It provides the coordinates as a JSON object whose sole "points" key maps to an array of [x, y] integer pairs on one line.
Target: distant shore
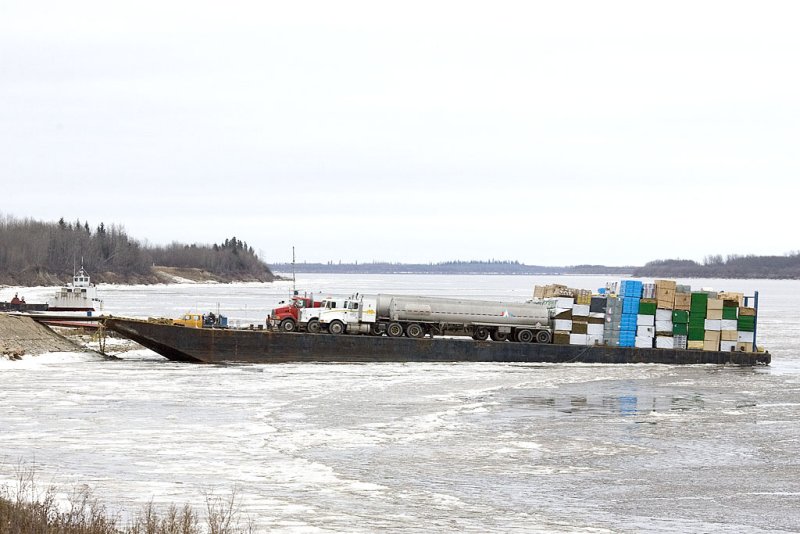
{"points": [[742, 270]]}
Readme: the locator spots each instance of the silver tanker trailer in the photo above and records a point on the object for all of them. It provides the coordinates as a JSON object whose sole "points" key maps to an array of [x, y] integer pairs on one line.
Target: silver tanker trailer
{"points": [[415, 316]]}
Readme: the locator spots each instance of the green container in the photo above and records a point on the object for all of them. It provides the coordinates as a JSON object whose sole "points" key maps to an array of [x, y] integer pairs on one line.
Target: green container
{"points": [[746, 323], [699, 302], [729, 313], [647, 308], [699, 322], [680, 329], [697, 334], [680, 316]]}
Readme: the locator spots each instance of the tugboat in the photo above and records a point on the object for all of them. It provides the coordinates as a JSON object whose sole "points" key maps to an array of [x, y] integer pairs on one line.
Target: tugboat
{"points": [[79, 297]]}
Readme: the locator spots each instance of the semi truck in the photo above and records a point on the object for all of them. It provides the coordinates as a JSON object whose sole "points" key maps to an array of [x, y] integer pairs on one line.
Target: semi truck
{"points": [[309, 317], [416, 317], [287, 317]]}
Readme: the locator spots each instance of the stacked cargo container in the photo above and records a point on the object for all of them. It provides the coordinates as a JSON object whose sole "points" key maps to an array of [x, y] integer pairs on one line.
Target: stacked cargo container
{"points": [[630, 292], [662, 315], [746, 325], [613, 320]]}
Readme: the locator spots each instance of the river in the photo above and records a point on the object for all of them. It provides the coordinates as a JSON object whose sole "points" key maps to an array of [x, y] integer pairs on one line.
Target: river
{"points": [[476, 447]]}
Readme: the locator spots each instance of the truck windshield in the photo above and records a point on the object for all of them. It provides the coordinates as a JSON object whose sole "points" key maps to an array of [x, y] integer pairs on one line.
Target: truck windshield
{"points": [[299, 304]]}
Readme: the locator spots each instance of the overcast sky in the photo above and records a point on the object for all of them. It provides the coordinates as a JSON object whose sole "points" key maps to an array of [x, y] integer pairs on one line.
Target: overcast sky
{"points": [[547, 132]]}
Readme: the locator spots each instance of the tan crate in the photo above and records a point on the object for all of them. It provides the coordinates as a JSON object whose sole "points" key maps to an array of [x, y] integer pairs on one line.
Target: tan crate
{"points": [[695, 345], [579, 327], [561, 338], [713, 336], [744, 311], [666, 284], [711, 345], [727, 295], [665, 298], [743, 346], [729, 335], [714, 304], [714, 314], [683, 301], [583, 296]]}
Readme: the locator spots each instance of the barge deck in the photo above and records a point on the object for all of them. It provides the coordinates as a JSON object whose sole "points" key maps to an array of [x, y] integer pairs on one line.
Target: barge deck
{"points": [[208, 345]]}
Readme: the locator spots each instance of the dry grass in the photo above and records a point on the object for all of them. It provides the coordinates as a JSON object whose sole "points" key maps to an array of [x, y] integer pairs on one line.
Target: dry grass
{"points": [[27, 509]]}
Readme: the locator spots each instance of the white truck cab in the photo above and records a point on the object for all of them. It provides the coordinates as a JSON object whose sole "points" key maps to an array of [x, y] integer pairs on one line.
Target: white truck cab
{"points": [[310, 317], [356, 315]]}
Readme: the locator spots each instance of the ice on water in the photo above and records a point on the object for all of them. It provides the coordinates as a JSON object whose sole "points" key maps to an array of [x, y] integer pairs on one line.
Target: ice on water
{"points": [[417, 447]]}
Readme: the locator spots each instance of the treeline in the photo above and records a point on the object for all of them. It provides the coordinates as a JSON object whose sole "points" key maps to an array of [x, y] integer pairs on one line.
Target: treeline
{"points": [[34, 252], [508, 267], [732, 266]]}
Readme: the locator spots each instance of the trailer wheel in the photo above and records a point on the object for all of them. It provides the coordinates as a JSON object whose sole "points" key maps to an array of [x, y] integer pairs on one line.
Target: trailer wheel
{"points": [[524, 336], [543, 336], [414, 330], [480, 333], [336, 327], [313, 326], [288, 325], [498, 336], [394, 330]]}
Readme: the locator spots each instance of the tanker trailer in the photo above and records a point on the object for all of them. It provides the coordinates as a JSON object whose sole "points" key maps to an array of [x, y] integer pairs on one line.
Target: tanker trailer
{"points": [[524, 322]]}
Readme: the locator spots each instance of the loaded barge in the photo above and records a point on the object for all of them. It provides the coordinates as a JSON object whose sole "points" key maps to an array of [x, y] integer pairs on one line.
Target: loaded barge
{"points": [[213, 345]]}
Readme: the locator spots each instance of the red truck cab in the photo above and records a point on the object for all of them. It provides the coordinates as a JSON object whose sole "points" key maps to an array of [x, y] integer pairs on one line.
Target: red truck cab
{"points": [[286, 317]]}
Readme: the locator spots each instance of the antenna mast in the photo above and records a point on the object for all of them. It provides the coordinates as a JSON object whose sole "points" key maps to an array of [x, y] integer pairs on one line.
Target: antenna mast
{"points": [[294, 285]]}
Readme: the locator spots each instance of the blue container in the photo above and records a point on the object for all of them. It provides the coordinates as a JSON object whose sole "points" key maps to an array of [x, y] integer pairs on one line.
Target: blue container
{"points": [[628, 322], [630, 305], [631, 288]]}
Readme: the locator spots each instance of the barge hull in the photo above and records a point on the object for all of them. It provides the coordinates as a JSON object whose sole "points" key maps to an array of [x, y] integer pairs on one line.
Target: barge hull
{"points": [[206, 345]]}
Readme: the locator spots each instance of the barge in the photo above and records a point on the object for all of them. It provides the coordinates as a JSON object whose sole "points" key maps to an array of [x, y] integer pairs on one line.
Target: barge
{"points": [[212, 345]]}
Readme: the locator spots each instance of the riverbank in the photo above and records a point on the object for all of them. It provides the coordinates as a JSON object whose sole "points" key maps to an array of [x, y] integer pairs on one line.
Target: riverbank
{"points": [[21, 335]]}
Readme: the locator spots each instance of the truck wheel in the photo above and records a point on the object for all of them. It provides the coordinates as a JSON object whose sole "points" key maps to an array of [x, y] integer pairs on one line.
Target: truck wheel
{"points": [[394, 330], [313, 326], [288, 325], [498, 336], [375, 330], [481, 333], [415, 330], [524, 336], [543, 336], [336, 327]]}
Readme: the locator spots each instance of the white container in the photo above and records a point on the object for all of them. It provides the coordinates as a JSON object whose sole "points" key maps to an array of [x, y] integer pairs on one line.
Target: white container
{"points": [[645, 320], [581, 310], [727, 346], [597, 315], [664, 326], [594, 339], [665, 342], [563, 302], [643, 342], [728, 324], [745, 337], [595, 329], [663, 315], [562, 324], [645, 331], [578, 339], [714, 325]]}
